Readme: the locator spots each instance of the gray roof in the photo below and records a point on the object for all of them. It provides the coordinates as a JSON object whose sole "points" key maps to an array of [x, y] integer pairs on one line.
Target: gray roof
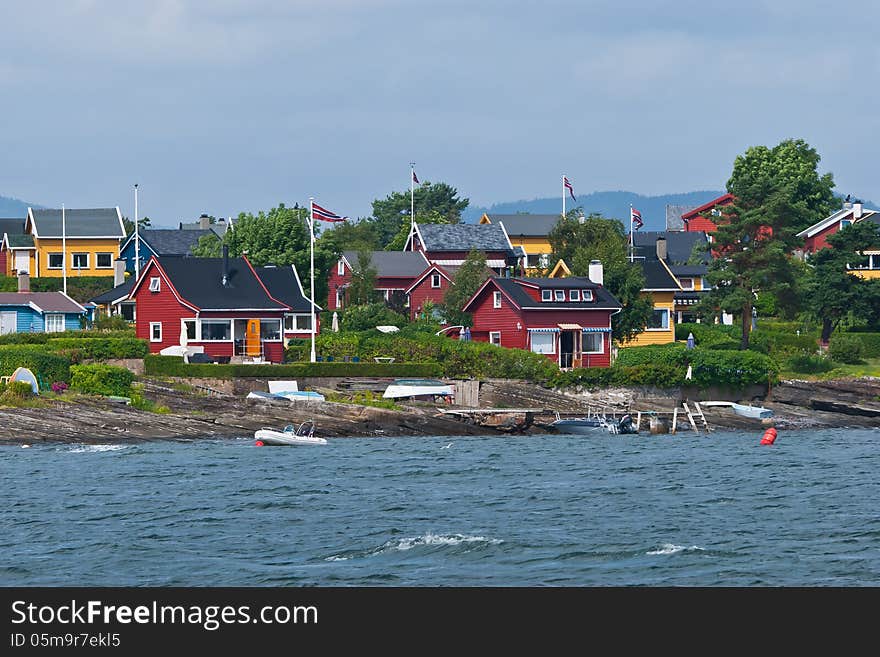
{"points": [[689, 270], [94, 222], [602, 298], [656, 276], [527, 225], [463, 237], [679, 245], [395, 264], [165, 242], [20, 241], [11, 226], [673, 216], [119, 292], [53, 302], [283, 285]]}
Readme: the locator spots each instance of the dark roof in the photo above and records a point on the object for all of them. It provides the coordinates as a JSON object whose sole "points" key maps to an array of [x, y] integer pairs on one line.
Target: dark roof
{"points": [[401, 264], [53, 302], [689, 270], [199, 281], [285, 286], [463, 237], [679, 245], [656, 276], [165, 242], [115, 294], [536, 225], [95, 222], [11, 226], [673, 216], [19, 240], [602, 298]]}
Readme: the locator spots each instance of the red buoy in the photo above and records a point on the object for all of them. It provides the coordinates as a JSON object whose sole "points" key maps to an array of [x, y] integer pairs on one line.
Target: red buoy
{"points": [[769, 436], [259, 443]]}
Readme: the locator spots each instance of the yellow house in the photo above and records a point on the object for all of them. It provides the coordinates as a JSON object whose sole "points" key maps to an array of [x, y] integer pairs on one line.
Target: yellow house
{"points": [[662, 286], [75, 242], [531, 233], [870, 270]]}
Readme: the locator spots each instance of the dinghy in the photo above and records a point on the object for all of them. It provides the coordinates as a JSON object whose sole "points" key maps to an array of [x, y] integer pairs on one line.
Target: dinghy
{"points": [[290, 435]]}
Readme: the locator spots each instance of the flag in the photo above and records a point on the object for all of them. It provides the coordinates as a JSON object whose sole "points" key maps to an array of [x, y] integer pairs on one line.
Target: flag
{"points": [[325, 215], [636, 218], [567, 183], [416, 178]]}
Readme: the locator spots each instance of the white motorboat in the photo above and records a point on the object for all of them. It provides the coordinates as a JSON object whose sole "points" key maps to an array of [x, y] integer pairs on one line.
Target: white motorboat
{"points": [[755, 412], [290, 435], [402, 388]]}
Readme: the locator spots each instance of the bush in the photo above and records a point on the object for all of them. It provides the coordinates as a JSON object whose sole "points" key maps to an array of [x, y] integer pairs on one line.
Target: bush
{"points": [[707, 334], [99, 348], [111, 323], [45, 366], [731, 368], [591, 378], [846, 348], [369, 316], [101, 380], [870, 343], [808, 364]]}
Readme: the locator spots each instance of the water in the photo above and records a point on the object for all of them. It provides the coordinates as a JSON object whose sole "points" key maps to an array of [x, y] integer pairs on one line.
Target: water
{"points": [[448, 511]]}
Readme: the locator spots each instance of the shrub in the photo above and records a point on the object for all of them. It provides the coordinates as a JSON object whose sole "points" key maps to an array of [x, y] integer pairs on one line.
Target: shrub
{"points": [[809, 364], [675, 354], [732, 368], [870, 343], [111, 323], [368, 316], [591, 378], [101, 380], [707, 334], [45, 366], [846, 348], [99, 348]]}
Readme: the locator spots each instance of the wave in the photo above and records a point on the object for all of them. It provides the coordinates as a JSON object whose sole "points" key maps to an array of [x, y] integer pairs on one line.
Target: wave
{"points": [[671, 548], [79, 449], [426, 540]]}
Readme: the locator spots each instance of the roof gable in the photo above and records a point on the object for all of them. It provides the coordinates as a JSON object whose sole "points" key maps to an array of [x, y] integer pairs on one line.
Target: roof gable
{"points": [[92, 222], [46, 302], [433, 269], [165, 242], [679, 245], [463, 237], [724, 199], [658, 278]]}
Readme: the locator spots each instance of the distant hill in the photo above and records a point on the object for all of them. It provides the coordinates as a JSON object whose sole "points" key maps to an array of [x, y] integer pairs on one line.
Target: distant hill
{"points": [[10, 208]]}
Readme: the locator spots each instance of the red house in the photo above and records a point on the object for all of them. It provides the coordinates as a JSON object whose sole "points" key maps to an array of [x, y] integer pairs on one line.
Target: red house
{"points": [[448, 245], [395, 272], [705, 217], [816, 236], [430, 285], [566, 319], [221, 304]]}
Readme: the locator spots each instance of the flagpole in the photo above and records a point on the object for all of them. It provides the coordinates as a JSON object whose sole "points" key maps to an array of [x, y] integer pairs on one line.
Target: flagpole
{"points": [[137, 237], [563, 196], [631, 247], [412, 200], [64, 247], [312, 267]]}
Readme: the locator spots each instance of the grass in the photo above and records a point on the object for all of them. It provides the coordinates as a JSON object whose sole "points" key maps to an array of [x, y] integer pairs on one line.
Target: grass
{"points": [[870, 367]]}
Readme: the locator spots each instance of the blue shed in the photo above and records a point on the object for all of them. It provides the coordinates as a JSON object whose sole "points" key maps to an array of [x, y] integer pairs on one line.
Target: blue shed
{"points": [[38, 312]]}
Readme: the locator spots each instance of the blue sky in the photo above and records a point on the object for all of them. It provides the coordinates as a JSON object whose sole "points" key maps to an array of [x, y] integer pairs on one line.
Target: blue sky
{"points": [[225, 106]]}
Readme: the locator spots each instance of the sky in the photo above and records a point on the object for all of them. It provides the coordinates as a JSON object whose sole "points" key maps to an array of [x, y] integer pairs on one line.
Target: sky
{"points": [[225, 106]]}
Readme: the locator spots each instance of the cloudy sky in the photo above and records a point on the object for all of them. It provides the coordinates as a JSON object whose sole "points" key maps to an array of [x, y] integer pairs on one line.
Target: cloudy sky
{"points": [[224, 106]]}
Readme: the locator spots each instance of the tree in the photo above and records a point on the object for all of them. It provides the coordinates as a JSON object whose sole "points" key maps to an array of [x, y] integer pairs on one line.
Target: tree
{"points": [[834, 291], [597, 238], [467, 280], [777, 192], [399, 241], [128, 224], [362, 289], [392, 211], [350, 235]]}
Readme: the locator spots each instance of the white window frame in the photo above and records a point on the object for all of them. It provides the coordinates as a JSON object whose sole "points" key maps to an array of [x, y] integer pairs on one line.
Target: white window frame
{"points": [[435, 280], [57, 321], [542, 334], [340, 298], [686, 287], [492, 338], [155, 284], [97, 261], [266, 322], [668, 320], [195, 328], [601, 342], [340, 268], [299, 316], [586, 295], [496, 299], [559, 296], [49, 264], [74, 256], [202, 322], [547, 295], [574, 295], [153, 326]]}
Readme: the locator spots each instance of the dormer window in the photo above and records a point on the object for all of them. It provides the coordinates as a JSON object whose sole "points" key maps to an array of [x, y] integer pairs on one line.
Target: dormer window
{"points": [[686, 283], [546, 295], [154, 284], [340, 268], [496, 299], [586, 295], [560, 295], [574, 295], [435, 280]]}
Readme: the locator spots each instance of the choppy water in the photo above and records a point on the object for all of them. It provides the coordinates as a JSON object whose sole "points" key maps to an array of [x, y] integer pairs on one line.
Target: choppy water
{"points": [[491, 511]]}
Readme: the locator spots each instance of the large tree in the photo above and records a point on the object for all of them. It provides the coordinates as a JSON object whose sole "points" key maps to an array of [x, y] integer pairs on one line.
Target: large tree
{"points": [[578, 241], [834, 291], [777, 191], [362, 289], [395, 209], [467, 280], [350, 236]]}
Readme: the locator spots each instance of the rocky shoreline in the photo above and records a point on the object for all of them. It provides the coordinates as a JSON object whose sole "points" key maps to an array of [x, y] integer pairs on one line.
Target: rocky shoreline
{"points": [[796, 405]]}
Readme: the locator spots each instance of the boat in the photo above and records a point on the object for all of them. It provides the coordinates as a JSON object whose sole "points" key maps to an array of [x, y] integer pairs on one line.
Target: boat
{"points": [[304, 434], [579, 425], [624, 425], [402, 388], [743, 410]]}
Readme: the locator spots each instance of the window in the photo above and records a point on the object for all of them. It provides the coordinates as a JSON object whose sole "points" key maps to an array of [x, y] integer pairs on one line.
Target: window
{"points": [[845, 222], [340, 297], [154, 284], [543, 343], [496, 300], [495, 338], [270, 329], [659, 320], [594, 343], [704, 284], [560, 295], [340, 268], [104, 260], [586, 295], [56, 261], [80, 260], [54, 323], [155, 331], [190, 326], [435, 280], [303, 323], [574, 295], [546, 295], [127, 311], [686, 283], [216, 330]]}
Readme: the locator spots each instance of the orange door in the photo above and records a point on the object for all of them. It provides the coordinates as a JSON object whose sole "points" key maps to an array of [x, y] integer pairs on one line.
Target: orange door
{"points": [[252, 340]]}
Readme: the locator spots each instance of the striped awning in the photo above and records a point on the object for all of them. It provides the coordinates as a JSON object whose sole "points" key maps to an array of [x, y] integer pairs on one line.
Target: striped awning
{"points": [[570, 327], [596, 329], [544, 330]]}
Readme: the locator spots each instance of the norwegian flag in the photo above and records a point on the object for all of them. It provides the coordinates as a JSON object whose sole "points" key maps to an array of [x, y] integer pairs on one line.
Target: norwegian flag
{"points": [[635, 218], [567, 183], [415, 178], [323, 214]]}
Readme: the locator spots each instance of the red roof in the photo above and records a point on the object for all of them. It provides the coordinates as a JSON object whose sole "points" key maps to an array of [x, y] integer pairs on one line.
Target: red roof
{"points": [[721, 200]]}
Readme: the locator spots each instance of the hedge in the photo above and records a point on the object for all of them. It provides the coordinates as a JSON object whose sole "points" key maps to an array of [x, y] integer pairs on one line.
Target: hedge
{"points": [[870, 343], [174, 366], [101, 380], [707, 334], [709, 366], [43, 338], [46, 366], [99, 348]]}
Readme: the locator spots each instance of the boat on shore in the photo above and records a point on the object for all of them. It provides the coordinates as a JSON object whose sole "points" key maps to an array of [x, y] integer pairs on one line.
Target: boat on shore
{"points": [[743, 410], [425, 388], [304, 434]]}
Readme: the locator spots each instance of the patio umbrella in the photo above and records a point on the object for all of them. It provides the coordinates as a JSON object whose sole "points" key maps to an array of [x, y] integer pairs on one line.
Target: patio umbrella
{"points": [[335, 324], [690, 341]]}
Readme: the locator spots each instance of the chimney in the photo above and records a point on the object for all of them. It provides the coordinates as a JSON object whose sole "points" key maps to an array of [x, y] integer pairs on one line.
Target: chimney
{"points": [[857, 210], [225, 266], [118, 272], [597, 274], [661, 248], [204, 221], [24, 282]]}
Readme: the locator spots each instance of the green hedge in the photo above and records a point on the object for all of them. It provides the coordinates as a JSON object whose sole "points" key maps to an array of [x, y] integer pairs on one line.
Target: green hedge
{"points": [[78, 349], [846, 348], [870, 343], [707, 334], [174, 366], [101, 380], [43, 338], [48, 367]]}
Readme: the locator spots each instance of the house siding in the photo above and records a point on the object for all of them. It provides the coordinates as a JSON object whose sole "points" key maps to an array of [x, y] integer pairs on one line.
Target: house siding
{"points": [[652, 336], [335, 282], [91, 246], [10, 270], [28, 320], [486, 318], [423, 292], [128, 253]]}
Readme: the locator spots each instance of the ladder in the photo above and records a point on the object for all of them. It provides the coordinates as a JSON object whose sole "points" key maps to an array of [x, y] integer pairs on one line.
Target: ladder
{"points": [[698, 414]]}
